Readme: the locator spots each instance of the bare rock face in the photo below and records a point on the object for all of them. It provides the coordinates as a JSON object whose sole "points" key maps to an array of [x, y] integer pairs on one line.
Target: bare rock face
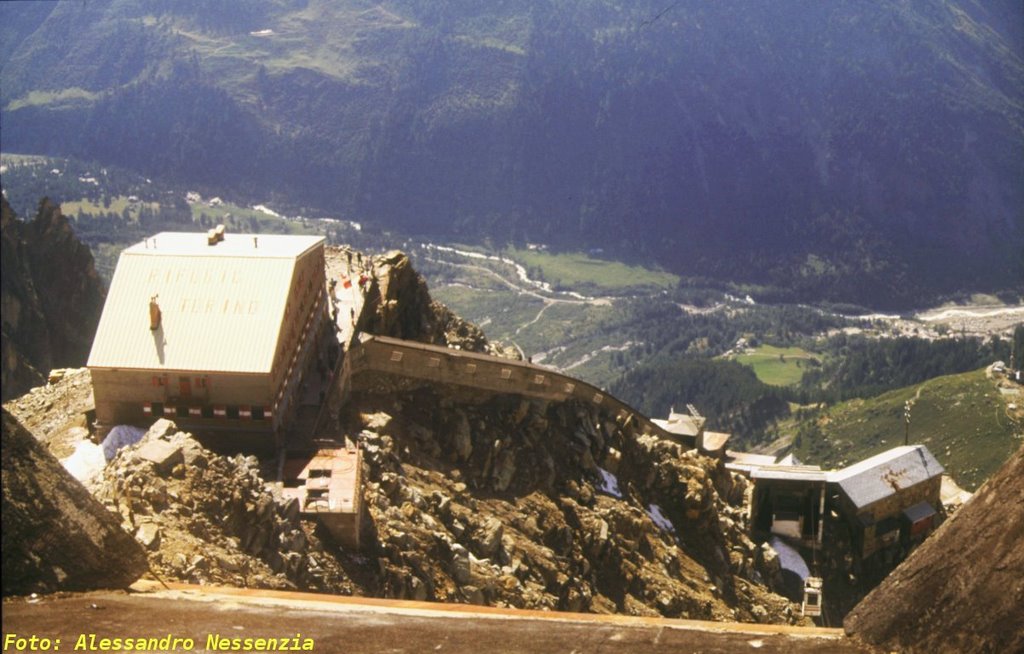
{"points": [[506, 501], [56, 536], [962, 590], [57, 413], [400, 306], [52, 297]]}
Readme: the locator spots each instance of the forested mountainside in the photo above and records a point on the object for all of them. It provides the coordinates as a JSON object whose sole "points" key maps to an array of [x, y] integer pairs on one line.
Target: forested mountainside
{"points": [[863, 152]]}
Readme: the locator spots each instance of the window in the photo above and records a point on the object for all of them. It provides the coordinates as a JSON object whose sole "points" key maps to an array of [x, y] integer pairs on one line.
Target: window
{"points": [[158, 408], [207, 411], [232, 412], [181, 412], [258, 413]]}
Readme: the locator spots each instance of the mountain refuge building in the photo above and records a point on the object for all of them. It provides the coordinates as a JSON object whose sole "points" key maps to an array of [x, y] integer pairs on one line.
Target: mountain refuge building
{"points": [[211, 330]]}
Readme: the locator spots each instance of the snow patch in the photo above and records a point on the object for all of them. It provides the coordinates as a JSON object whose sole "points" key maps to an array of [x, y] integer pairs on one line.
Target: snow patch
{"points": [[740, 300], [654, 511], [121, 436], [609, 483], [86, 462], [789, 558]]}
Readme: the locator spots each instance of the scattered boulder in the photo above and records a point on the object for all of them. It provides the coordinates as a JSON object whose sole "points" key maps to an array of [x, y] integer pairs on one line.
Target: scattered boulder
{"points": [[206, 518]]}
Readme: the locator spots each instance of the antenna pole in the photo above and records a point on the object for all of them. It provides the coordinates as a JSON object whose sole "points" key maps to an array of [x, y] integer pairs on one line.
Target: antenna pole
{"points": [[906, 423]]}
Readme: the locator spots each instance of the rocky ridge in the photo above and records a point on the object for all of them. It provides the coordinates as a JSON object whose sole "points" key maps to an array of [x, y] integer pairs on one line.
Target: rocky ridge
{"points": [[473, 497], [57, 413], [52, 297], [501, 501], [398, 304]]}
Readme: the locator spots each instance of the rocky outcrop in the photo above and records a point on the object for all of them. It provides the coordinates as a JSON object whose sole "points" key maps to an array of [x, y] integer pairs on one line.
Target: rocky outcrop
{"points": [[52, 297], [205, 518], [399, 305], [56, 536], [472, 496], [962, 590], [504, 501], [57, 413]]}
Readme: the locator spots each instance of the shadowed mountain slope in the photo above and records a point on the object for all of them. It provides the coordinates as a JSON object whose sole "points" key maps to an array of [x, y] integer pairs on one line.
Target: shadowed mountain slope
{"points": [[841, 150]]}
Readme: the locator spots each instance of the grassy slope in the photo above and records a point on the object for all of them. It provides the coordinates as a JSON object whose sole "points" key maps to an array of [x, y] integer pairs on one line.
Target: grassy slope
{"points": [[586, 274], [778, 366], [117, 205], [962, 419]]}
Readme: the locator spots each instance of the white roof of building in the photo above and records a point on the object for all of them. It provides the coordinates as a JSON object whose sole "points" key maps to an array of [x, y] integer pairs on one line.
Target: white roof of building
{"points": [[875, 478], [222, 306], [789, 473], [682, 424]]}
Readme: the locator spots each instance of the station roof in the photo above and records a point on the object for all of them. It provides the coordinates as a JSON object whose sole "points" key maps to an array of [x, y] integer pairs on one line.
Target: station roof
{"points": [[715, 440], [222, 305], [876, 478], [789, 473]]}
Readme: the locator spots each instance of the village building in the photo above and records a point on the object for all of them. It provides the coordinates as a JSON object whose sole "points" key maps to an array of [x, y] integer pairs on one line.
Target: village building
{"points": [[685, 427], [745, 463], [688, 430], [214, 331]]}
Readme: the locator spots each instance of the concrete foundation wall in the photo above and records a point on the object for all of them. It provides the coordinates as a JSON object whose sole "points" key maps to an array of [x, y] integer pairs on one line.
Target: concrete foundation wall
{"points": [[121, 394]]}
